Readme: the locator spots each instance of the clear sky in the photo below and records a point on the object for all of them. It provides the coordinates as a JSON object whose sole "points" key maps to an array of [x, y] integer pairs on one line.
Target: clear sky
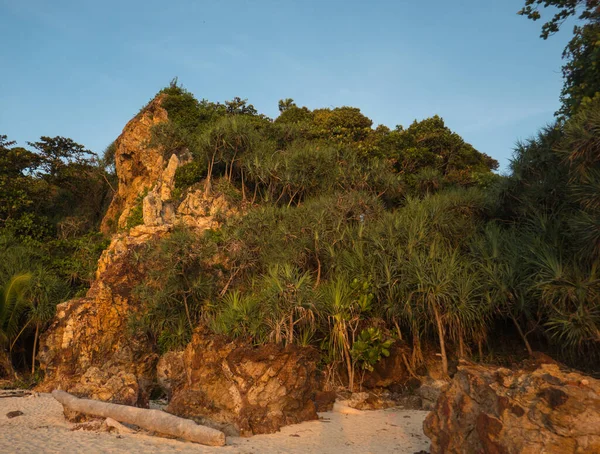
{"points": [[82, 68]]}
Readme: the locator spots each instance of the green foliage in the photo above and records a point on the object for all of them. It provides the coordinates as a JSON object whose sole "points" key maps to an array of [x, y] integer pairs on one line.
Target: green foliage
{"points": [[240, 315], [345, 232], [289, 296], [12, 305], [582, 54], [29, 293], [190, 174], [431, 149], [176, 288], [136, 214], [40, 189], [369, 348]]}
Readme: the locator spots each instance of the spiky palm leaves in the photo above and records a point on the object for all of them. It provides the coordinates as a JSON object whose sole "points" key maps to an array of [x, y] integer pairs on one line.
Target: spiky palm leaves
{"points": [[29, 294], [176, 289], [570, 298], [225, 142], [12, 306], [289, 294], [344, 304], [45, 291], [503, 257], [580, 149], [240, 315]]}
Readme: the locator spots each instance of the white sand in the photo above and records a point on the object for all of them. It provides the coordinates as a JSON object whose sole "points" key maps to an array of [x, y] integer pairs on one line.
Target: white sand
{"points": [[43, 429]]}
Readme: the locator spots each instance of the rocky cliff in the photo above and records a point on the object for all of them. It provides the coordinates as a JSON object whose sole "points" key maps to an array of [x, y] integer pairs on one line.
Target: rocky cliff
{"points": [[138, 165], [87, 348], [539, 408]]}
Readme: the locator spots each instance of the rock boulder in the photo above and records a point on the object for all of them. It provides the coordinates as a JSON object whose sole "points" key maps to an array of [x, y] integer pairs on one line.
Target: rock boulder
{"points": [[243, 389], [539, 408]]}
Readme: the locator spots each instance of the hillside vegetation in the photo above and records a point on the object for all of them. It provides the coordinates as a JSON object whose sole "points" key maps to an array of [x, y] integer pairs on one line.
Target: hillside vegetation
{"points": [[349, 237]]}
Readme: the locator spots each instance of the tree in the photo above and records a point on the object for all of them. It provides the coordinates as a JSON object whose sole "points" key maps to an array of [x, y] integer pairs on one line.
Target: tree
{"points": [[285, 104], [57, 154], [430, 143], [289, 294], [175, 290], [589, 10], [344, 304], [582, 54], [18, 188], [44, 292], [12, 306], [239, 106]]}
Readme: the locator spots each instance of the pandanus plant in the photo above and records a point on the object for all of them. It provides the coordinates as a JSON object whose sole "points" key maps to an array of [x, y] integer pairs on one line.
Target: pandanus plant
{"points": [[13, 304]]}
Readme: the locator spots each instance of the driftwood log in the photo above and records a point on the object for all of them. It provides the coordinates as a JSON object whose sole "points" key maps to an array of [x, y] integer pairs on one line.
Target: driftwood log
{"points": [[154, 420], [15, 393]]}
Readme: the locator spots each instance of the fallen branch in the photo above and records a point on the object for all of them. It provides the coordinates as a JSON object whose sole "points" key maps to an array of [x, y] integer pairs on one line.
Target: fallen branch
{"points": [[153, 420], [18, 393]]}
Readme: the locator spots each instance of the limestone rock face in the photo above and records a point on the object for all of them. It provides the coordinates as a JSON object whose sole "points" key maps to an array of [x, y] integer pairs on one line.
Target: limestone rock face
{"points": [[157, 206], [201, 212], [246, 390], [87, 349], [541, 408], [430, 391], [170, 372], [138, 165]]}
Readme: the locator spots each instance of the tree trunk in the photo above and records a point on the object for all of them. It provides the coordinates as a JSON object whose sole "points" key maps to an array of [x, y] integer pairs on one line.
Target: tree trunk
{"points": [[211, 164], [243, 186], [255, 193], [398, 330], [153, 420], [187, 312], [461, 346], [35, 341], [290, 338], [523, 336], [417, 353], [349, 368], [440, 328]]}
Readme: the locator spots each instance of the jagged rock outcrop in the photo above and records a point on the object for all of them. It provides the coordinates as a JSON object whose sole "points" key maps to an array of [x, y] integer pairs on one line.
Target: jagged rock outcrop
{"points": [[540, 408], [158, 208], [430, 391], [138, 165], [201, 212], [170, 372], [87, 350], [246, 390]]}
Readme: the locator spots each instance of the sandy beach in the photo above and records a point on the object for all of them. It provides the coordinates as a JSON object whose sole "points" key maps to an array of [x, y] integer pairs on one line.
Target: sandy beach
{"points": [[42, 429]]}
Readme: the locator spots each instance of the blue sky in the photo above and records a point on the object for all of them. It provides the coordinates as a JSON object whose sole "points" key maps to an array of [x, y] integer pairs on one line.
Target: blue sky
{"points": [[82, 68]]}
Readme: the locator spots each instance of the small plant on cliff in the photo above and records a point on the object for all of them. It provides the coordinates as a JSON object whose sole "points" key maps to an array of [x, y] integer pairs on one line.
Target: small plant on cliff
{"points": [[189, 174], [136, 215]]}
